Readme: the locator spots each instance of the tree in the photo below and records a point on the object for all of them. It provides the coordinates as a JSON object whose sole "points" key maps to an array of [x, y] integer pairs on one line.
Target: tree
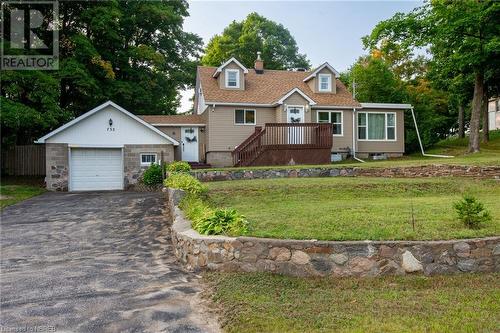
{"points": [[132, 52], [377, 80], [461, 34], [244, 39], [374, 81]]}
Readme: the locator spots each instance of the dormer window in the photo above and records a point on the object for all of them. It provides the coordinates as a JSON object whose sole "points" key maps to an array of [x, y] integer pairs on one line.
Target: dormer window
{"points": [[232, 78], [325, 82]]}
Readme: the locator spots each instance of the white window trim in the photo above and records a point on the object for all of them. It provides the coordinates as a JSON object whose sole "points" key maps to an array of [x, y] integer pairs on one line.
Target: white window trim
{"points": [[237, 71], [297, 107], [148, 164], [385, 129], [330, 119], [329, 76], [245, 117]]}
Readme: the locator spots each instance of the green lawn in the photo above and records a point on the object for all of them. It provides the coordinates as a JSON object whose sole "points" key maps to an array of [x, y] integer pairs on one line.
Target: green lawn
{"points": [[272, 303], [489, 156], [11, 194], [348, 208]]}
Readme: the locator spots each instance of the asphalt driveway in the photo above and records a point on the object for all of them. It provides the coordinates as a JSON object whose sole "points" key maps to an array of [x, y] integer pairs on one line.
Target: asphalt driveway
{"points": [[95, 262]]}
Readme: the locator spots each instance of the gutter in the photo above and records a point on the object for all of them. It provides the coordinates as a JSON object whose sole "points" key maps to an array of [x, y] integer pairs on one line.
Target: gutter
{"points": [[354, 136], [420, 141]]}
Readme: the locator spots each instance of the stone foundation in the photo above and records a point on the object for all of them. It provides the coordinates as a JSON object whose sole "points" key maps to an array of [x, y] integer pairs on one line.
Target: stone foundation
{"points": [[328, 258], [132, 163], [56, 166], [436, 170]]}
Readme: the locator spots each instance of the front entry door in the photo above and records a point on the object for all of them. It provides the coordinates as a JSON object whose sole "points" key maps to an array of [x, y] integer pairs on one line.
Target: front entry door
{"points": [[189, 142], [295, 115]]}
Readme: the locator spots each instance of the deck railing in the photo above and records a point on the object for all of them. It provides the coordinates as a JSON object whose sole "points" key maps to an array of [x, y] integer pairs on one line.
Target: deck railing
{"points": [[281, 136]]}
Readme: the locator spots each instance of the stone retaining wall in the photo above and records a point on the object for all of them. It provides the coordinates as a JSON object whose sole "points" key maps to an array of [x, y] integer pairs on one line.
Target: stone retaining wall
{"points": [[328, 258], [436, 170]]}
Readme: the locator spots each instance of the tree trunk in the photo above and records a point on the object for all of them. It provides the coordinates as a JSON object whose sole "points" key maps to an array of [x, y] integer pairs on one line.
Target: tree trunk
{"points": [[461, 121], [484, 111], [475, 117]]}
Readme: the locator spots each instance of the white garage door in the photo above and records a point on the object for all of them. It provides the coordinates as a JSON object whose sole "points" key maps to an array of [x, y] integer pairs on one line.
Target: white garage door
{"points": [[96, 169]]}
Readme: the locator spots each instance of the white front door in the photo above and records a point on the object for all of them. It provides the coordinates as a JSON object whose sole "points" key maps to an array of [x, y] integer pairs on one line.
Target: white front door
{"points": [[189, 142], [96, 169], [294, 115]]}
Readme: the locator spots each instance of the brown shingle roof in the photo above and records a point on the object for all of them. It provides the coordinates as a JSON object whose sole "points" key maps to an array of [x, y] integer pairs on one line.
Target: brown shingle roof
{"points": [[174, 119], [269, 87]]}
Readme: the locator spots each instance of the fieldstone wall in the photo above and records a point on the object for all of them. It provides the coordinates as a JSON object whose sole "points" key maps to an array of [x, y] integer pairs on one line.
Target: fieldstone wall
{"points": [[436, 170], [328, 258], [56, 166], [132, 162]]}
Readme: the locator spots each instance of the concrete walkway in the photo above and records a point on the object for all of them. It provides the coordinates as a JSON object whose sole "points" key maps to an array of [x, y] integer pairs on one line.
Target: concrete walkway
{"points": [[95, 262]]}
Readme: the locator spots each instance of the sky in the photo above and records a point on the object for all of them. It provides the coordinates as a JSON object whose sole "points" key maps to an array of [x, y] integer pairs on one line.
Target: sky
{"points": [[324, 30]]}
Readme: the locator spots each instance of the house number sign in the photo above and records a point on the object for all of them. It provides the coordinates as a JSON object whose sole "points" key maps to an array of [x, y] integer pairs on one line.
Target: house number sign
{"points": [[110, 128]]}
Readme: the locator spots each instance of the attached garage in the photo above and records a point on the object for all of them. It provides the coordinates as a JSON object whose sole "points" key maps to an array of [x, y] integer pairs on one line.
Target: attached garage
{"points": [[104, 149], [95, 169]]}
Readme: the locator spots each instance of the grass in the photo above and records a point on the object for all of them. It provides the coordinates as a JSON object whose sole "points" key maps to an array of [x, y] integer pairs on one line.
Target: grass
{"points": [[11, 194], [271, 303], [489, 156], [356, 208]]}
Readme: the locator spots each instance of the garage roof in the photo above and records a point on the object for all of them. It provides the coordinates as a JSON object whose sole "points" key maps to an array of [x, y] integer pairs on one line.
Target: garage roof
{"points": [[99, 108]]}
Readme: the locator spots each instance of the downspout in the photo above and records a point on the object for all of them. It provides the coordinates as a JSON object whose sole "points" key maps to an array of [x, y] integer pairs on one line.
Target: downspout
{"points": [[354, 136], [420, 141]]}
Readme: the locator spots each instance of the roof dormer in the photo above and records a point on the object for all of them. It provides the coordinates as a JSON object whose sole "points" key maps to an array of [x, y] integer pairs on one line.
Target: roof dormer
{"points": [[231, 75], [323, 79]]}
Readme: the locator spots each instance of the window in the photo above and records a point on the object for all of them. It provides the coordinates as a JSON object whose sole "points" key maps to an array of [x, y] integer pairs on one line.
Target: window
{"points": [[325, 82], [147, 159], [232, 78], [244, 117], [377, 126], [333, 117]]}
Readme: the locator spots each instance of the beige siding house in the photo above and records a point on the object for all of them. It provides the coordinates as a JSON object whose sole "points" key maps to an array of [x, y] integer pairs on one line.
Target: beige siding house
{"points": [[241, 117], [236, 100]]}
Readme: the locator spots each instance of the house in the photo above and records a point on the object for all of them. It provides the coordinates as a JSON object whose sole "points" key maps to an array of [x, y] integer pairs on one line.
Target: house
{"points": [[242, 117], [235, 101], [494, 114]]}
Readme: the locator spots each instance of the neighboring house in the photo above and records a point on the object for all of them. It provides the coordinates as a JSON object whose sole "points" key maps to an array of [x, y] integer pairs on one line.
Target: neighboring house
{"points": [[494, 113], [242, 117]]}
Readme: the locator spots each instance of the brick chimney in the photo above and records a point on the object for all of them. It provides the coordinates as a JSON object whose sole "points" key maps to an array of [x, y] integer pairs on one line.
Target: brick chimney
{"points": [[259, 64]]}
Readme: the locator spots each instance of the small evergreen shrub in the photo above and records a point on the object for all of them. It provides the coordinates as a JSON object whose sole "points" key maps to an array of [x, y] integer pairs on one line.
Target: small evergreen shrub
{"points": [[471, 212], [178, 166], [153, 175], [186, 182]]}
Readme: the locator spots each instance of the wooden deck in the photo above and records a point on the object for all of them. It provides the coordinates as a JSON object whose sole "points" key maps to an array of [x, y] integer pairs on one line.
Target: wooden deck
{"points": [[282, 143]]}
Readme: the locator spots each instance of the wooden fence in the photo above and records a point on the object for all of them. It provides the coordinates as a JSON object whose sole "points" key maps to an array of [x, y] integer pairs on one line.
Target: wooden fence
{"points": [[24, 161]]}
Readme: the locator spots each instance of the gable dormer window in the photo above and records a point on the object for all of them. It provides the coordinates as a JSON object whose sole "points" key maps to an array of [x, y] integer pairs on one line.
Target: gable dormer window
{"points": [[325, 82], [232, 78]]}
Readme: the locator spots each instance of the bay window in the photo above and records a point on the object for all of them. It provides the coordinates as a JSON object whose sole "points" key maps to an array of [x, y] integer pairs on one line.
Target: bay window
{"points": [[377, 126]]}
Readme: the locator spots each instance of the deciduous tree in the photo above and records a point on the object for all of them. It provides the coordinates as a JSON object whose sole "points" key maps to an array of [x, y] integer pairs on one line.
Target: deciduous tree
{"points": [[255, 34]]}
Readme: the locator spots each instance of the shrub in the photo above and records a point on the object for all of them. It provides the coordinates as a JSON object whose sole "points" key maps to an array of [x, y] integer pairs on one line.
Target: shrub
{"points": [[186, 182], [153, 175], [178, 166], [471, 212], [210, 221], [223, 221]]}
